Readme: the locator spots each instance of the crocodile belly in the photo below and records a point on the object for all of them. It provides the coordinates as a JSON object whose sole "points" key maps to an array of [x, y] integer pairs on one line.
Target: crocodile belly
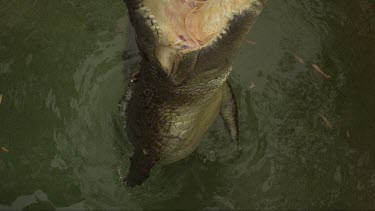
{"points": [[185, 130]]}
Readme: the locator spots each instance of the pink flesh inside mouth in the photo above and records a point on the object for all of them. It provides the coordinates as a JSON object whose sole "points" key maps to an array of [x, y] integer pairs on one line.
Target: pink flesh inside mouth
{"points": [[179, 33]]}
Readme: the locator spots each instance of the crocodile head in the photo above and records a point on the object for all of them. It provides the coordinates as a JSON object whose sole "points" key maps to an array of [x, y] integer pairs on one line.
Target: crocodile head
{"points": [[170, 29], [187, 48]]}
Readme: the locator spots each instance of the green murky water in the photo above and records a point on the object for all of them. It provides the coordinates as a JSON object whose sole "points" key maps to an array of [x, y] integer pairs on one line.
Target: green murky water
{"points": [[62, 72]]}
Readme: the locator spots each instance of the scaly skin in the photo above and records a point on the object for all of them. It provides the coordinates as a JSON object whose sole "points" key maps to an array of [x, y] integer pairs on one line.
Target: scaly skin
{"points": [[168, 114]]}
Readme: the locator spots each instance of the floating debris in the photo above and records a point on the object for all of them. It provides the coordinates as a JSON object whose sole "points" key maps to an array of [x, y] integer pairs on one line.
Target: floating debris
{"points": [[326, 122], [317, 68], [251, 42], [4, 149], [1, 98], [347, 134], [299, 59]]}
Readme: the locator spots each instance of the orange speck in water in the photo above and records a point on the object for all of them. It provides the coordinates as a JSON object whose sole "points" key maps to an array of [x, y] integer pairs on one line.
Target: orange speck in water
{"points": [[299, 59], [326, 121], [320, 71], [251, 42]]}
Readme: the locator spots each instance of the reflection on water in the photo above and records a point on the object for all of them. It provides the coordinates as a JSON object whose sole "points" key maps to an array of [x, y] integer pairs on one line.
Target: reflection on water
{"points": [[62, 74]]}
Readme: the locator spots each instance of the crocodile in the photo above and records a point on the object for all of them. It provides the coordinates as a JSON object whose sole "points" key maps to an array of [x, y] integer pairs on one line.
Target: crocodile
{"points": [[187, 48]]}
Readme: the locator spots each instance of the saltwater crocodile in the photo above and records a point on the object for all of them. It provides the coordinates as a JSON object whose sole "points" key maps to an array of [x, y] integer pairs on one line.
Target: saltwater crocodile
{"points": [[187, 49]]}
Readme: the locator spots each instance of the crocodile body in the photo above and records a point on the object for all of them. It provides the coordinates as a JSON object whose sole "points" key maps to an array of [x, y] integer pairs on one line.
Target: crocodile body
{"points": [[170, 111]]}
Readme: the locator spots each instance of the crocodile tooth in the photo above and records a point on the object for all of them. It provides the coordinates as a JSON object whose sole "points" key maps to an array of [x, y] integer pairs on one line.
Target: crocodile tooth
{"points": [[151, 16], [229, 16], [140, 12], [140, 5], [257, 4], [237, 12], [149, 23]]}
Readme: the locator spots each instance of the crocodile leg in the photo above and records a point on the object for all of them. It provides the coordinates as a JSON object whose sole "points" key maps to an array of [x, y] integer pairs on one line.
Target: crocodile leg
{"points": [[229, 113], [141, 164]]}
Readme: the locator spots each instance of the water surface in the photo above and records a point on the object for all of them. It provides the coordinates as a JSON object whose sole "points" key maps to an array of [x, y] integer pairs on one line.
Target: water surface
{"points": [[63, 69]]}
